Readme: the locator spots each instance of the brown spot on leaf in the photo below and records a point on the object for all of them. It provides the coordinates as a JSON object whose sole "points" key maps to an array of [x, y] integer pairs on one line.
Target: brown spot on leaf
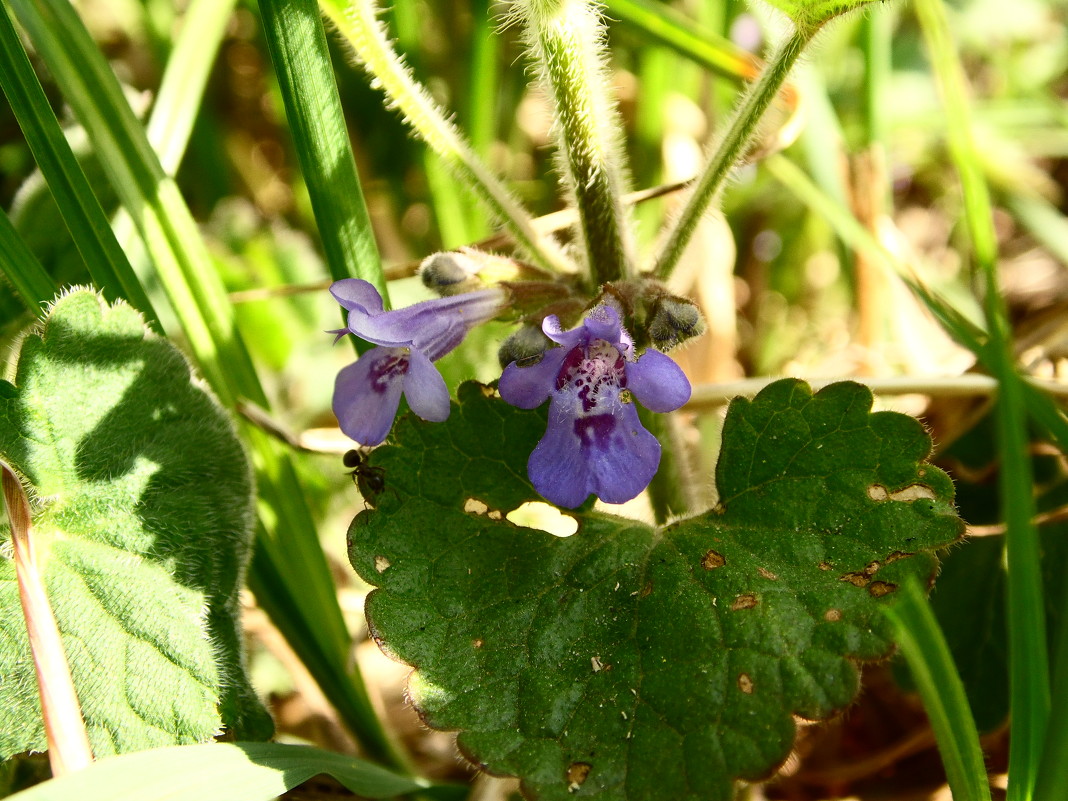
{"points": [[824, 565], [745, 601], [596, 664], [880, 588], [381, 564], [767, 574], [494, 514], [576, 775], [648, 588], [712, 559], [832, 615], [895, 556], [745, 684], [478, 643], [871, 568], [857, 579]]}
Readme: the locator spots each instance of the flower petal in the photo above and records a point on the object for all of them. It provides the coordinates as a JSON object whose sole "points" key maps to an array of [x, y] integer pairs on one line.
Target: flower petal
{"points": [[557, 467], [622, 457], [608, 453], [602, 322], [657, 382], [528, 387], [354, 293], [367, 393], [425, 389]]}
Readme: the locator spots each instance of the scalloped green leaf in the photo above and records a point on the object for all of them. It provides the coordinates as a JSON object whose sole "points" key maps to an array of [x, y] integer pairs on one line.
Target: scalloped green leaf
{"points": [[633, 662], [142, 528]]}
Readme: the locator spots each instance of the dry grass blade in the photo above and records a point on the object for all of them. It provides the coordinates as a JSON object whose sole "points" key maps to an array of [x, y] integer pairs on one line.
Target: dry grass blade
{"points": [[68, 744]]}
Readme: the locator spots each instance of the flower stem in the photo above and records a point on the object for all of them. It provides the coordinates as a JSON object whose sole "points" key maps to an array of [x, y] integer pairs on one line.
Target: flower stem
{"points": [[566, 39], [359, 24], [732, 146]]}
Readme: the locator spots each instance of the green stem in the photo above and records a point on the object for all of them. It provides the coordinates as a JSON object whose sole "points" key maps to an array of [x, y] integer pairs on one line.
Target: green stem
{"points": [[566, 40], [359, 24], [742, 129]]}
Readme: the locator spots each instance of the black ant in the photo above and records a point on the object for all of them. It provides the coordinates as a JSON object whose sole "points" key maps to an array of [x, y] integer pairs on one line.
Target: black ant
{"points": [[369, 480]]}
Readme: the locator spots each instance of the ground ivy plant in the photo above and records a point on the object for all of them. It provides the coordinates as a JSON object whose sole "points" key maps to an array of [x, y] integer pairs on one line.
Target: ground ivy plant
{"points": [[629, 660], [598, 655]]}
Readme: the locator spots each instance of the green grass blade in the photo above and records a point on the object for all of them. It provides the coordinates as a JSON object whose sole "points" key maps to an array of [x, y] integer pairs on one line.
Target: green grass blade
{"points": [[217, 772], [182, 87], [1028, 658], [199, 300], [21, 268], [1052, 781], [673, 29], [1042, 220], [89, 227], [924, 647], [297, 42]]}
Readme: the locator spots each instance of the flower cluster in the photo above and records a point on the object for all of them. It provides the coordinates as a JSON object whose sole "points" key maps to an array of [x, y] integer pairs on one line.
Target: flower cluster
{"points": [[591, 375]]}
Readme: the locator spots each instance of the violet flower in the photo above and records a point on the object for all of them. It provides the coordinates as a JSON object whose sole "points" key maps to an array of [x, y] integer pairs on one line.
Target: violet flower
{"points": [[594, 441], [367, 393]]}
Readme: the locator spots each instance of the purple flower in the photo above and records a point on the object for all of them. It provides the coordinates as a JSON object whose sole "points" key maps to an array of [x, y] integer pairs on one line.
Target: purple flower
{"points": [[594, 441], [367, 393]]}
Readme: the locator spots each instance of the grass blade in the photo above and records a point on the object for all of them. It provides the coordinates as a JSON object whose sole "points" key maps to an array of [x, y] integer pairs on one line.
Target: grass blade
{"points": [[90, 229], [30, 280], [928, 657], [289, 541], [217, 772], [297, 42], [182, 87], [1028, 658], [671, 28]]}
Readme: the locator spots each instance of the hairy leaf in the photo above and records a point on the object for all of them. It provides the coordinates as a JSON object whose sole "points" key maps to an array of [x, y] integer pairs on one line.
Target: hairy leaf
{"points": [[141, 528], [632, 662]]}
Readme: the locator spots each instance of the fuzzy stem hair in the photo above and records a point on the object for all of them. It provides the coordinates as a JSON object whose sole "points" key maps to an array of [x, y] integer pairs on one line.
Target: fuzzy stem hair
{"points": [[744, 126], [565, 39]]}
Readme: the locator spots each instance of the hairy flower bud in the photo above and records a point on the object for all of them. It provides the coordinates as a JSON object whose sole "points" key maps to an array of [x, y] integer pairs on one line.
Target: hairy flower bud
{"points": [[525, 344], [673, 320], [448, 273]]}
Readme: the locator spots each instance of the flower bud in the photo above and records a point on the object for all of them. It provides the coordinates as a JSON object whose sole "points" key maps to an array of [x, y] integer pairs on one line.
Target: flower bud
{"points": [[524, 345], [673, 320], [448, 273]]}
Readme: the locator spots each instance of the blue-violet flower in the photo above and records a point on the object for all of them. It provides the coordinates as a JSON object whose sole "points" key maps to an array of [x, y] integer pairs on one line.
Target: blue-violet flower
{"points": [[594, 441], [367, 393]]}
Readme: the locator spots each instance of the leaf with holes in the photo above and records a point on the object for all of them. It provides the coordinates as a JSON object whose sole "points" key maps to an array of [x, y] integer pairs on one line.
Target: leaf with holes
{"points": [[142, 525], [632, 662]]}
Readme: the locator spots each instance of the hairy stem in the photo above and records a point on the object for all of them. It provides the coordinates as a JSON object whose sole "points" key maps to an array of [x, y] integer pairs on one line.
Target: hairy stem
{"points": [[359, 24], [742, 129], [566, 39]]}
